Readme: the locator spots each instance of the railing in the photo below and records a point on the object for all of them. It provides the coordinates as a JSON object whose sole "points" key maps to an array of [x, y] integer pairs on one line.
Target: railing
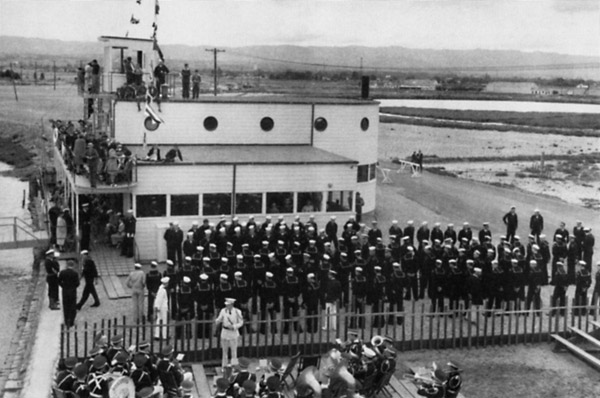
{"points": [[14, 230], [420, 329]]}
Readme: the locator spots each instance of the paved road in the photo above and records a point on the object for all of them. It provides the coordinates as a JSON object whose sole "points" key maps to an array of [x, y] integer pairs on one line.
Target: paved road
{"points": [[433, 198]]}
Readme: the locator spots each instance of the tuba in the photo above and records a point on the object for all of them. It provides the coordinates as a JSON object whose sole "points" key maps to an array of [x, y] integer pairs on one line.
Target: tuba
{"points": [[377, 341]]}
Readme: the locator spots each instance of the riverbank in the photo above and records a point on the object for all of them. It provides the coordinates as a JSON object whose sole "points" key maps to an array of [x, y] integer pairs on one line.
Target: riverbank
{"points": [[18, 150]]}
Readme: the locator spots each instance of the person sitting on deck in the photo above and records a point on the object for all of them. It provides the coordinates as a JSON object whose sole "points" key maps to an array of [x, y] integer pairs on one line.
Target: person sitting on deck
{"points": [[172, 154]]}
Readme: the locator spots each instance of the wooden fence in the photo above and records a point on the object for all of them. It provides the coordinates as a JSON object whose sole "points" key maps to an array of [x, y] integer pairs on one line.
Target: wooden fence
{"points": [[420, 329]]}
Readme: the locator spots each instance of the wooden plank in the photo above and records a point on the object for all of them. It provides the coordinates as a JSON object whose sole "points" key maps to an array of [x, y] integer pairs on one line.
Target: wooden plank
{"points": [[590, 359], [595, 323], [586, 336], [404, 389], [118, 283], [202, 387], [109, 287]]}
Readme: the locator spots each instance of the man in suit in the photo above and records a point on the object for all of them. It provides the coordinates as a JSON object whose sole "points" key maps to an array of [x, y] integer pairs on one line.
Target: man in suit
{"points": [[231, 320], [68, 279]]}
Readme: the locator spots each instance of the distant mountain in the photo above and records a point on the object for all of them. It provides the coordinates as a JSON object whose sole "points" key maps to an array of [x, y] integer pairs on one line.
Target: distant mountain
{"points": [[296, 57]]}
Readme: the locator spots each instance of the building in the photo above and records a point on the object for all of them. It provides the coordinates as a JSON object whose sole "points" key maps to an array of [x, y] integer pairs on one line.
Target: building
{"points": [[511, 87], [419, 84], [241, 156]]}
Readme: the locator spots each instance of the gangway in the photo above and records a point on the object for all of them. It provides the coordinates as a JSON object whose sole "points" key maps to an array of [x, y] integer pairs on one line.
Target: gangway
{"points": [[16, 233]]}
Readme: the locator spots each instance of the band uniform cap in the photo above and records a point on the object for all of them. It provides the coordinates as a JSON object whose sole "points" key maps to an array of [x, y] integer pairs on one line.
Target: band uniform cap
{"points": [[273, 383], [145, 392], [144, 344], [223, 276], [95, 351], [186, 279], [358, 269], [275, 364], [99, 362], [229, 300], [80, 371], [311, 275], [222, 384], [204, 277], [250, 387], [187, 385], [167, 350], [116, 339], [70, 362], [170, 262], [165, 280], [269, 274], [84, 252], [121, 357], [243, 362], [137, 265]]}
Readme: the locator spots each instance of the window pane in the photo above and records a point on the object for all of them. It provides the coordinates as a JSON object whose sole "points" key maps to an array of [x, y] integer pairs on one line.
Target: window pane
{"points": [[248, 203], [363, 173], [339, 200], [309, 202], [280, 202], [184, 205], [372, 171], [151, 205], [216, 203]]}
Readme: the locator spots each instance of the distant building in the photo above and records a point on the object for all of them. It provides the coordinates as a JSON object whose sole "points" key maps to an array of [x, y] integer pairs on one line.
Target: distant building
{"points": [[418, 84], [512, 87]]}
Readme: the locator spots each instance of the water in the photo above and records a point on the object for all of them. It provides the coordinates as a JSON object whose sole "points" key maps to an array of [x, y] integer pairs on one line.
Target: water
{"points": [[12, 195], [508, 106]]}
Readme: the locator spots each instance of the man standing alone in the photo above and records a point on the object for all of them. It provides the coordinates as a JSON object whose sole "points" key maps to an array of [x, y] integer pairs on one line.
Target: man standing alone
{"points": [[52, 270], [68, 279], [186, 73], [511, 221], [89, 273], [136, 281], [161, 309], [231, 320]]}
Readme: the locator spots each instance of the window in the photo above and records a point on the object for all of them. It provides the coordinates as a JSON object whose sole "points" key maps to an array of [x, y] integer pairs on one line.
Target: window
{"points": [[364, 124], [184, 205], [151, 205], [362, 173], [211, 123], [339, 200], [248, 203], [216, 203], [309, 202], [267, 124], [320, 124], [372, 171], [280, 202]]}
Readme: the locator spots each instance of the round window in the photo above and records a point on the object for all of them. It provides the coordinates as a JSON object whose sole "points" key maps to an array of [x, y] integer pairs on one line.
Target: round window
{"points": [[150, 124], [266, 123], [320, 124], [364, 124], [211, 123]]}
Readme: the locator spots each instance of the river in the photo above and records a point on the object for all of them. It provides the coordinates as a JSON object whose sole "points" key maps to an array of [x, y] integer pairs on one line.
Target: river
{"points": [[507, 106]]}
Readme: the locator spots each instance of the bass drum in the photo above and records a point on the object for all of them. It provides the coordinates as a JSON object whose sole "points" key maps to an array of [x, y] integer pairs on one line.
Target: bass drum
{"points": [[122, 387]]}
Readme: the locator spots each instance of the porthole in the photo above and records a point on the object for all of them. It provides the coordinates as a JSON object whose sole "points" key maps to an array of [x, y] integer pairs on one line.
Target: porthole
{"points": [[150, 124], [320, 124], [364, 124], [267, 124], [211, 123]]}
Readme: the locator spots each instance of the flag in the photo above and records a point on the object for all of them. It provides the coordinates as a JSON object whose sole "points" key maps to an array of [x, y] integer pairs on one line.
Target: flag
{"points": [[157, 49], [156, 8], [133, 20], [152, 113]]}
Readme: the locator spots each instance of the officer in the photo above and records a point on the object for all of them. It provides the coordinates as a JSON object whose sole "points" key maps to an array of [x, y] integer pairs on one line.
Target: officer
{"points": [[378, 295], [129, 222], [153, 278], [583, 281], [360, 289], [205, 304], [52, 270], [269, 302], [173, 287], [241, 294], [68, 280], [395, 290]]}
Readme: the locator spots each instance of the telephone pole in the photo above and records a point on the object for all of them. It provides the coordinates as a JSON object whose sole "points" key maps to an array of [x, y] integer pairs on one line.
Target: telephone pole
{"points": [[215, 51]]}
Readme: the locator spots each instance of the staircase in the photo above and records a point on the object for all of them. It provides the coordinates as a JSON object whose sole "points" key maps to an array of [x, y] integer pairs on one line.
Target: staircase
{"points": [[16, 233], [581, 337]]}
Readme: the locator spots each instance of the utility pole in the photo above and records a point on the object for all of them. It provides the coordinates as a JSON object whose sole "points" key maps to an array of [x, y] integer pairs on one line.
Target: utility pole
{"points": [[54, 69], [361, 66], [12, 74], [215, 51]]}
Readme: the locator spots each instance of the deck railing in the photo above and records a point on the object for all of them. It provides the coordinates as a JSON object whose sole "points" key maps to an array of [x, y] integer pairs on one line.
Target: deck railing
{"points": [[420, 329]]}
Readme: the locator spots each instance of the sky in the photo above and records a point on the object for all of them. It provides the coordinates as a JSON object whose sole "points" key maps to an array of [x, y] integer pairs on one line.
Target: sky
{"points": [[563, 26]]}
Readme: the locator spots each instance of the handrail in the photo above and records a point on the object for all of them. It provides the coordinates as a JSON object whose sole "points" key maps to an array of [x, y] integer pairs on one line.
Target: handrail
{"points": [[16, 227]]}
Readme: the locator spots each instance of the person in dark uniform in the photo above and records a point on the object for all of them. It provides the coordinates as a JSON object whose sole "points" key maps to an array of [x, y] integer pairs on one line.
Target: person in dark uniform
{"points": [[583, 281], [205, 304], [496, 283], [291, 297], [185, 299], [409, 232], [68, 279], [269, 303], [358, 207], [534, 284], [485, 231], [588, 248], [561, 283], [80, 388], [85, 224], [516, 281], [97, 381], [186, 74], [174, 238], [53, 214], [377, 296], [456, 284], [241, 294], [331, 229], [536, 223], [511, 220], [160, 74], [395, 290], [127, 246], [360, 289], [66, 378], [465, 232], [573, 256], [311, 301], [153, 278], [410, 268], [90, 275], [439, 282], [596, 292], [52, 270], [475, 288]]}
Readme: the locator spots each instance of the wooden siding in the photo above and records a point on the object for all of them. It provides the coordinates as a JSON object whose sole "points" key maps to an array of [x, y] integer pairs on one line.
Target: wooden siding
{"points": [[183, 179], [238, 123], [299, 178], [344, 135]]}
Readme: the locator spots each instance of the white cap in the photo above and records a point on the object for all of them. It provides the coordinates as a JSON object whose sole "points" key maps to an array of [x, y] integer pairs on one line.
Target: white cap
{"points": [[269, 274], [188, 258], [169, 262], [311, 275], [237, 273], [137, 265], [154, 263], [229, 300], [288, 257], [239, 257], [326, 257], [203, 276], [199, 248], [186, 279], [289, 269], [223, 276], [358, 269], [165, 280], [84, 252]]}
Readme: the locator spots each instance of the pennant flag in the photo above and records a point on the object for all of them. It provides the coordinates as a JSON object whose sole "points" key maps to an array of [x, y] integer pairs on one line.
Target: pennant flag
{"points": [[156, 8], [157, 49], [152, 113], [133, 20]]}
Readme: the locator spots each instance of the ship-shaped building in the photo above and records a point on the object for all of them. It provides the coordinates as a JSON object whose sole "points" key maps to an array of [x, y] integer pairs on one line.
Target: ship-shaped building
{"points": [[241, 156]]}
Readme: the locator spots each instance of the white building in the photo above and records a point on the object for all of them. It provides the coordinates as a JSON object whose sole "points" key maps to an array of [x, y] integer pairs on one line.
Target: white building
{"points": [[242, 156]]}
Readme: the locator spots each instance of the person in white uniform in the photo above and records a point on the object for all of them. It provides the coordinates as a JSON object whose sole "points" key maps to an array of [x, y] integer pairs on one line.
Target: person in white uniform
{"points": [[161, 308], [230, 319]]}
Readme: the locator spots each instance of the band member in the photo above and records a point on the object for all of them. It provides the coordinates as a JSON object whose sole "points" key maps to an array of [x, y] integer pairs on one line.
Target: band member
{"points": [[583, 280], [397, 282]]}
